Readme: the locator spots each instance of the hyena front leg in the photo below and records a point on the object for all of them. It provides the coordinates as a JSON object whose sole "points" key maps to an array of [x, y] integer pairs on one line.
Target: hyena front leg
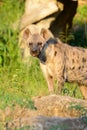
{"points": [[50, 82], [84, 91], [60, 81], [49, 79], [60, 77]]}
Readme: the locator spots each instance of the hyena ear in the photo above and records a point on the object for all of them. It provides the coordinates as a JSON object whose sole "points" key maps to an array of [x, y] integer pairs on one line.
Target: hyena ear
{"points": [[26, 33], [46, 34]]}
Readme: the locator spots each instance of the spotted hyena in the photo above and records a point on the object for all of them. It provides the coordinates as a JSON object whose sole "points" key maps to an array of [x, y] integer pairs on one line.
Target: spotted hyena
{"points": [[59, 61]]}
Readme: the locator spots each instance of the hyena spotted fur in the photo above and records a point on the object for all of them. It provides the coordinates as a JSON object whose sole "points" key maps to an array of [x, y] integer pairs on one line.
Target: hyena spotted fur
{"points": [[59, 61]]}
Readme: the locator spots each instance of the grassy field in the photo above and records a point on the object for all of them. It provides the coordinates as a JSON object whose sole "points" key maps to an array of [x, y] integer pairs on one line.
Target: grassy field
{"points": [[20, 82]]}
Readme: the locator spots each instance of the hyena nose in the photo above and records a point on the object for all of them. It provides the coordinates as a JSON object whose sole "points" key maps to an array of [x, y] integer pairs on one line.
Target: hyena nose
{"points": [[34, 49]]}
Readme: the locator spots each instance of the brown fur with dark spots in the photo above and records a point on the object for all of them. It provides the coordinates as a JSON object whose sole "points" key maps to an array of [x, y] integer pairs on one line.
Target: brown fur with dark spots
{"points": [[59, 61]]}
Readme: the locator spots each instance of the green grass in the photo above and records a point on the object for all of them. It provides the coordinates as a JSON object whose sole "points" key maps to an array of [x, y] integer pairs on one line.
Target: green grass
{"points": [[20, 82], [81, 15], [80, 27]]}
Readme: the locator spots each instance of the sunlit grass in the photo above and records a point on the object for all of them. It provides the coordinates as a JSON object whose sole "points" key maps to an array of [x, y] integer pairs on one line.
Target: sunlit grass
{"points": [[21, 83], [81, 15]]}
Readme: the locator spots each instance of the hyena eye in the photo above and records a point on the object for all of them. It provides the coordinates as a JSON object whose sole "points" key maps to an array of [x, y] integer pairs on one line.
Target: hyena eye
{"points": [[30, 43], [39, 43]]}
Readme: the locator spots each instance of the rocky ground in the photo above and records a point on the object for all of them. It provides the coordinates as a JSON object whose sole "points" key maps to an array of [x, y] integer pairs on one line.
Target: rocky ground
{"points": [[47, 109]]}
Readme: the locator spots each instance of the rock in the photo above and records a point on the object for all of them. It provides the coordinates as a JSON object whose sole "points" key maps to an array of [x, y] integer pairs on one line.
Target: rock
{"points": [[50, 14], [52, 112], [64, 106], [35, 10]]}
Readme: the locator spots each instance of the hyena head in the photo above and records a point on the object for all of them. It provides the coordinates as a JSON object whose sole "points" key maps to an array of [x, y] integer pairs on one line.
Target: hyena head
{"points": [[36, 41]]}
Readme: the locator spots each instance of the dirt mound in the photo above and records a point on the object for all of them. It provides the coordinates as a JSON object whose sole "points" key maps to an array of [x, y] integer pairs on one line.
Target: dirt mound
{"points": [[48, 110]]}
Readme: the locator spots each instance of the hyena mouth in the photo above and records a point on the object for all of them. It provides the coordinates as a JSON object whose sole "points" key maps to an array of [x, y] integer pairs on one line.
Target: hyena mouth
{"points": [[34, 53]]}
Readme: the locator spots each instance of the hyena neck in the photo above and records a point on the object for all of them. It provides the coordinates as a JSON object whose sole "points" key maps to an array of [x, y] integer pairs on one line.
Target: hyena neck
{"points": [[42, 56], [51, 41]]}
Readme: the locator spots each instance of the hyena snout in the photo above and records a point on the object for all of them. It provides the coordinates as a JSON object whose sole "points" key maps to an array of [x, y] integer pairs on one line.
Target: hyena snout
{"points": [[34, 50]]}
